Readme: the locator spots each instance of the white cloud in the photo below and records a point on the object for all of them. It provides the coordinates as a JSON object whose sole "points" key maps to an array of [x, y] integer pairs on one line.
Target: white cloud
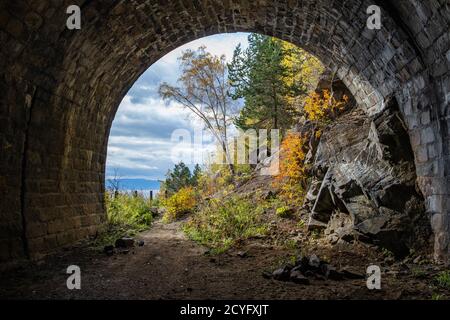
{"points": [[140, 143], [151, 109], [223, 44]]}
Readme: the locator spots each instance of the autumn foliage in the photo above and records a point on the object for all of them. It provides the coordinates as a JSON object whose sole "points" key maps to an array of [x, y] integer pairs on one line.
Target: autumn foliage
{"points": [[293, 175], [182, 202], [323, 107]]}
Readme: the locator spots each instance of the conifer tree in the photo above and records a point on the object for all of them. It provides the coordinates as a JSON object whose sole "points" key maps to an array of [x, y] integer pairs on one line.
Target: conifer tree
{"points": [[259, 75]]}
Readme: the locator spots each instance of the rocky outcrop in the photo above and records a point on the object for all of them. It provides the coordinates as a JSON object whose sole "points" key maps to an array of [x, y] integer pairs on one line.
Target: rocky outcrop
{"points": [[364, 183]]}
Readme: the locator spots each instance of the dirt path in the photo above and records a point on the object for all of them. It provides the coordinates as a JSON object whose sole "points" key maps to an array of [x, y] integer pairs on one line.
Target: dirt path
{"points": [[169, 266]]}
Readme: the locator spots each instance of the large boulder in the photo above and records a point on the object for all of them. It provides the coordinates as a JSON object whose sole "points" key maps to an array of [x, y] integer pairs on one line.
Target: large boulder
{"points": [[364, 182]]}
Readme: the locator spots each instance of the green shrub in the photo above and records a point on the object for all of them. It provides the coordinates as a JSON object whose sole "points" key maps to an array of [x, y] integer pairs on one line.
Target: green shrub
{"points": [[223, 222], [182, 202], [418, 273], [301, 224], [437, 296], [284, 212], [129, 210], [156, 202], [387, 253], [443, 279], [126, 216]]}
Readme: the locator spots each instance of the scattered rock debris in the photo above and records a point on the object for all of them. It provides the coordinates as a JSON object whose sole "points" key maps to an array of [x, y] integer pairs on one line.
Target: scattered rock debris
{"points": [[242, 254], [109, 250], [124, 242], [311, 268]]}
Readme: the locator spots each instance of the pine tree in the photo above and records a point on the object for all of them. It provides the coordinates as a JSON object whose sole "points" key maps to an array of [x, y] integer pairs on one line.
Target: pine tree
{"points": [[196, 175], [259, 76], [177, 178]]}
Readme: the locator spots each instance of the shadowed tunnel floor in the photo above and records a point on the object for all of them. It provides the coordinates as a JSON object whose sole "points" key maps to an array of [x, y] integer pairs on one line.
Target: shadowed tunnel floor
{"points": [[169, 266]]}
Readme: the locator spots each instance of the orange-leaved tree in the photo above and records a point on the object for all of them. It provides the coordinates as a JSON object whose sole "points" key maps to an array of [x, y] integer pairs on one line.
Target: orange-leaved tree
{"points": [[324, 107], [292, 177]]}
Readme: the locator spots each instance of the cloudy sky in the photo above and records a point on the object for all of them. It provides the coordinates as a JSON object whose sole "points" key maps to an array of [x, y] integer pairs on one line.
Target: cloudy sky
{"points": [[142, 142]]}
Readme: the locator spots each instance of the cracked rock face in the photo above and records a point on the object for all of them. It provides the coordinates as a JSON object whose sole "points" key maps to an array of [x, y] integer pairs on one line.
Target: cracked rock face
{"points": [[364, 183]]}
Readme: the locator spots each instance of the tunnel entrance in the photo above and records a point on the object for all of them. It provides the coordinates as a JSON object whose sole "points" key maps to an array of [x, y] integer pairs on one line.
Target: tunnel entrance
{"points": [[354, 167]]}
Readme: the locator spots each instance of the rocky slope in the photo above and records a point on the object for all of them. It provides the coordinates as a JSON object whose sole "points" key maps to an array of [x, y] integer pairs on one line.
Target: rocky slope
{"points": [[363, 179], [364, 183]]}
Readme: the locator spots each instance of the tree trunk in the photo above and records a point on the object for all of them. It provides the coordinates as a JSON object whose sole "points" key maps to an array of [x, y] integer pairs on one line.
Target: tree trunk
{"points": [[229, 160]]}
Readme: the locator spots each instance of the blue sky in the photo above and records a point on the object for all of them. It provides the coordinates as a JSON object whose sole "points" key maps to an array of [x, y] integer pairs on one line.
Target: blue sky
{"points": [[140, 143]]}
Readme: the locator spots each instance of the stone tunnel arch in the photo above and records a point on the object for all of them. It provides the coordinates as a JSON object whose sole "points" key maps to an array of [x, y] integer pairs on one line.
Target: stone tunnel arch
{"points": [[60, 89]]}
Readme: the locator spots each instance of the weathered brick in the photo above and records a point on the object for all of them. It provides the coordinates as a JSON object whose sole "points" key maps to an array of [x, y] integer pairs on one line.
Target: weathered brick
{"points": [[425, 118], [36, 229], [422, 154], [427, 135], [56, 226]]}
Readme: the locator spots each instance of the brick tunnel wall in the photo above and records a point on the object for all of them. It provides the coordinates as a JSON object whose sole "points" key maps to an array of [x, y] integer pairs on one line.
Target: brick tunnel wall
{"points": [[60, 89]]}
